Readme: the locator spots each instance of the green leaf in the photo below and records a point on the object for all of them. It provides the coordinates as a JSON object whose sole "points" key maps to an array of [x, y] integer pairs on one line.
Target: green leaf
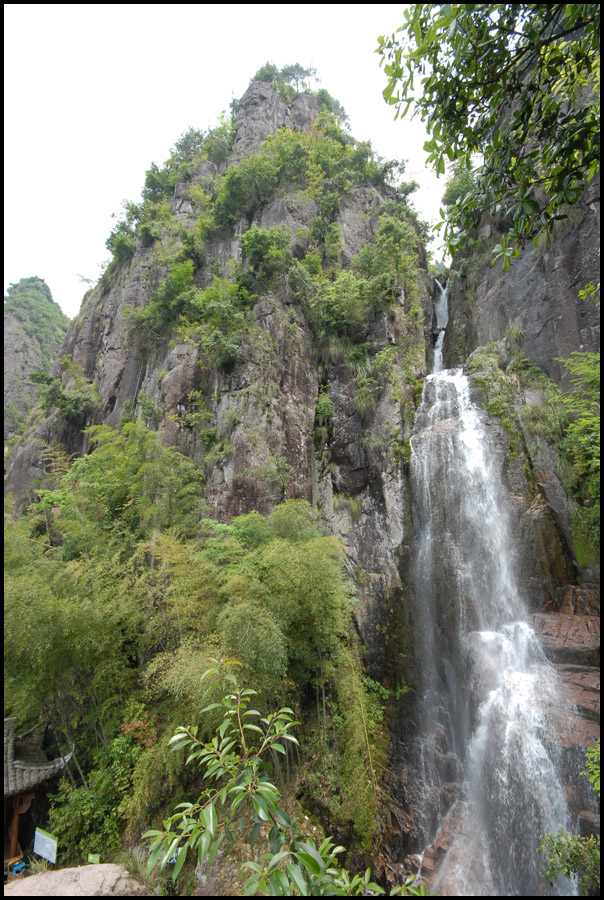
{"points": [[169, 852], [215, 848], [194, 755], [261, 807], [180, 859], [253, 866], [279, 883], [208, 815], [282, 818], [253, 728], [297, 876], [154, 856], [204, 846], [417, 32], [255, 834], [309, 862], [311, 859], [276, 859]]}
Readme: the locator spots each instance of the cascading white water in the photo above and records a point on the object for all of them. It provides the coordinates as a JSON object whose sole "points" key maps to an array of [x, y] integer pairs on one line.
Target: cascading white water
{"points": [[484, 679], [441, 313]]}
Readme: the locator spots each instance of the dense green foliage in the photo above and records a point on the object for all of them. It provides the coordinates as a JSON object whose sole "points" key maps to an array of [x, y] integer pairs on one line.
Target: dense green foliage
{"points": [[241, 796], [76, 400], [117, 593], [581, 442], [517, 85], [570, 421], [572, 855]]}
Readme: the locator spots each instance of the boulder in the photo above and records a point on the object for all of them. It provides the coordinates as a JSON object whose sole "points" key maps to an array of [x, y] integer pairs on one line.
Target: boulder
{"points": [[104, 880]]}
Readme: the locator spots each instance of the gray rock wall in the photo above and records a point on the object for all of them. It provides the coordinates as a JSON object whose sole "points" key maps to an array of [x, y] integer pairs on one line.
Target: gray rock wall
{"points": [[538, 294]]}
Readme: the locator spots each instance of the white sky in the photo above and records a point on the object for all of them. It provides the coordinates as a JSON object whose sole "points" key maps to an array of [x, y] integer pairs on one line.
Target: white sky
{"points": [[96, 92]]}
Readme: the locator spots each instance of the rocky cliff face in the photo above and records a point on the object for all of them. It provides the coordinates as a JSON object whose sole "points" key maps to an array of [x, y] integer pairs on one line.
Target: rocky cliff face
{"points": [[34, 328], [264, 439], [538, 296]]}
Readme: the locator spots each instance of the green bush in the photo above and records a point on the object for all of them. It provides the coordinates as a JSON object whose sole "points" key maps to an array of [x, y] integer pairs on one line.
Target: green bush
{"points": [[74, 405], [90, 819], [173, 299], [581, 441], [572, 855], [218, 142], [237, 777], [365, 396], [216, 320], [147, 235], [123, 247], [324, 409], [159, 183], [246, 187], [267, 250], [340, 306]]}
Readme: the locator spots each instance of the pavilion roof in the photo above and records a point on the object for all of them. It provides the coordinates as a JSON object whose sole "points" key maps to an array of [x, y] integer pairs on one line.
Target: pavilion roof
{"points": [[30, 768]]}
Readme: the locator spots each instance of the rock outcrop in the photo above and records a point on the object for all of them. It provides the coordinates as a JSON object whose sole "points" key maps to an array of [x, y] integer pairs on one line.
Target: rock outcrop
{"points": [[572, 644], [262, 111], [104, 880]]}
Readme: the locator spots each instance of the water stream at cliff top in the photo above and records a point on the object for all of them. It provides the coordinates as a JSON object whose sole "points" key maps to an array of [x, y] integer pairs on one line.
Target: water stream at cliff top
{"points": [[484, 681], [441, 314]]}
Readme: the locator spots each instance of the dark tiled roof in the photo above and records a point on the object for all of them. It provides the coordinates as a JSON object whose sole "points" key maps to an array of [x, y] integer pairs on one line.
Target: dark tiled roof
{"points": [[22, 775]]}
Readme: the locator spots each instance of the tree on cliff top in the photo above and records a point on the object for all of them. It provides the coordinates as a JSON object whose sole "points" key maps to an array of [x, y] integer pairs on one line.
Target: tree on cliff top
{"points": [[294, 73], [516, 83]]}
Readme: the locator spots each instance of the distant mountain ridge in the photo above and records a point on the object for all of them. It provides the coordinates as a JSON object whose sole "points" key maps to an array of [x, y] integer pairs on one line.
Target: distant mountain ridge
{"points": [[34, 328]]}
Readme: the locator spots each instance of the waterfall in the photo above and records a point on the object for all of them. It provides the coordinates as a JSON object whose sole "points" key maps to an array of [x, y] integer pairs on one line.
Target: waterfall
{"points": [[490, 786], [441, 315]]}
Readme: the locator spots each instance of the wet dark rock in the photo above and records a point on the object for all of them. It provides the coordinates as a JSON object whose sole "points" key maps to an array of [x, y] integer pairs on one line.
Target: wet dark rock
{"points": [[538, 294]]}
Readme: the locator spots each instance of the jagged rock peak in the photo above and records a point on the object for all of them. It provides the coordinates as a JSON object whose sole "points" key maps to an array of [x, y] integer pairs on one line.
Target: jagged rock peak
{"points": [[262, 110]]}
